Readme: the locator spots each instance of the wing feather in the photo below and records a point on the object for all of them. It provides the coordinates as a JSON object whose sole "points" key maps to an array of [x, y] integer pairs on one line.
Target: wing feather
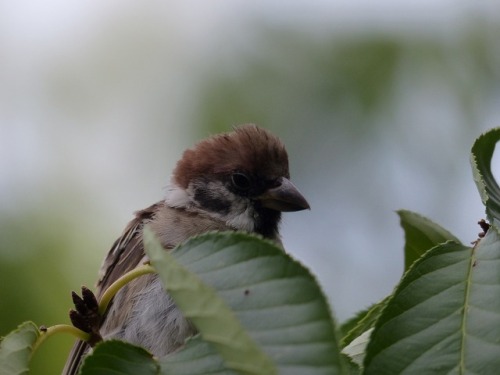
{"points": [[126, 253]]}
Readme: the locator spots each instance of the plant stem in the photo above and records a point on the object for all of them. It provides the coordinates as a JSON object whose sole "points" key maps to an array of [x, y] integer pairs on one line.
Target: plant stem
{"points": [[103, 305], [59, 328], [118, 284]]}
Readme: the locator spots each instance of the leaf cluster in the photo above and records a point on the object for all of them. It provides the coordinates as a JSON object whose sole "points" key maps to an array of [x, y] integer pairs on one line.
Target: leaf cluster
{"points": [[259, 311]]}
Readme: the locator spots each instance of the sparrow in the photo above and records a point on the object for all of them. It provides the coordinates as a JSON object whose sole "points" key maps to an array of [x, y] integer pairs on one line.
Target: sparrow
{"points": [[237, 181]]}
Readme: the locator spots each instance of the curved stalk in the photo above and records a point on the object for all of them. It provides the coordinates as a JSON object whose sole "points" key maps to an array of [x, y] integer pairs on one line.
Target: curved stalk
{"points": [[118, 284], [45, 333]]}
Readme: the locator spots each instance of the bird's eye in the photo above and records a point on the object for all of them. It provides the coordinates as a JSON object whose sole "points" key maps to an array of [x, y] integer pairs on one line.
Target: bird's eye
{"points": [[240, 181]]}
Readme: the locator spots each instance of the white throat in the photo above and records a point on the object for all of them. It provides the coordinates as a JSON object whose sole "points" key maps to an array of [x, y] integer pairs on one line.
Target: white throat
{"points": [[241, 215]]}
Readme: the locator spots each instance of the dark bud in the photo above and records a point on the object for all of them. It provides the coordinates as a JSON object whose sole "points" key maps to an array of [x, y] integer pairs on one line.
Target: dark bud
{"points": [[86, 316], [78, 302], [79, 321], [89, 299]]}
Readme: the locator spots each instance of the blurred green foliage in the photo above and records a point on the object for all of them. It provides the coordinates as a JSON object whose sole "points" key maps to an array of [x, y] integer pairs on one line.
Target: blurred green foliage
{"points": [[296, 80], [34, 280]]}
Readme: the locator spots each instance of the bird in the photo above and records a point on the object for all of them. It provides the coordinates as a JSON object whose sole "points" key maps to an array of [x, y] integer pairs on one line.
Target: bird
{"points": [[233, 181]]}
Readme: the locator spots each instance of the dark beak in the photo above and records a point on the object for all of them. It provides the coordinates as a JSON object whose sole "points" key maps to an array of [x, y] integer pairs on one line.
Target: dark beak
{"points": [[284, 197]]}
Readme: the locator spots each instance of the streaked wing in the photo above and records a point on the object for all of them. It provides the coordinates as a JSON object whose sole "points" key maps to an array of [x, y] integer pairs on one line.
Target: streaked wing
{"points": [[126, 254]]}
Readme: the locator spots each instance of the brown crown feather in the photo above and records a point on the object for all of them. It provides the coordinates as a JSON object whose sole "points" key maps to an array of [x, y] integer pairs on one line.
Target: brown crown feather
{"points": [[248, 148]]}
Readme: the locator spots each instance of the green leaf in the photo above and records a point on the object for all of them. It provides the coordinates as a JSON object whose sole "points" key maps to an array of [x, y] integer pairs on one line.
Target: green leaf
{"points": [[481, 155], [121, 358], [197, 357], [16, 349], [421, 234], [118, 357], [362, 322], [208, 312], [256, 305], [353, 368], [444, 317]]}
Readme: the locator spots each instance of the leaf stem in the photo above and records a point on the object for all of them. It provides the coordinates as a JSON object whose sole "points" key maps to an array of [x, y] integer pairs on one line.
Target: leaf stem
{"points": [[118, 284], [45, 333]]}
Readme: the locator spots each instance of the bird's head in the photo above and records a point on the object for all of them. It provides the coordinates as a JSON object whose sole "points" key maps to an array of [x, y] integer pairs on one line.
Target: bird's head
{"points": [[241, 178]]}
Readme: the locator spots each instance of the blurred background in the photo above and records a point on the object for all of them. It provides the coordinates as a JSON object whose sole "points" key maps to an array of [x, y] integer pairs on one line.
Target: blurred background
{"points": [[378, 104]]}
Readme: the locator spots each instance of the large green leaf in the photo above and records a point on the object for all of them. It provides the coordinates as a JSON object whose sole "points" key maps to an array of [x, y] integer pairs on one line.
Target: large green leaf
{"points": [[252, 302], [444, 317], [118, 357], [16, 349], [421, 234], [199, 302], [481, 155]]}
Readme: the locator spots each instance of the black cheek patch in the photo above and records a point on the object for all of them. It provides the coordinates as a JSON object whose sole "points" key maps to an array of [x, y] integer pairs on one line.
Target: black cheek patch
{"points": [[211, 203]]}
